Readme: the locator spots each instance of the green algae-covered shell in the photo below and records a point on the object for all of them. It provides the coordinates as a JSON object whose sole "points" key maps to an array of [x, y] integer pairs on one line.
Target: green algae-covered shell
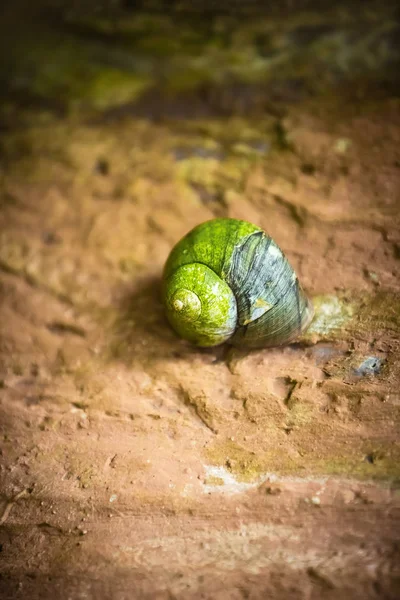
{"points": [[228, 281]]}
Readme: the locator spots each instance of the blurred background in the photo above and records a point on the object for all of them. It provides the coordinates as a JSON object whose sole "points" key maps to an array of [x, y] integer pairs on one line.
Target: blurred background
{"points": [[188, 59]]}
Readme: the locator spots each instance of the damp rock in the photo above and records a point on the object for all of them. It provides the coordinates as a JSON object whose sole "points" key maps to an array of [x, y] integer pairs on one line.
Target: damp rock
{"points": [[183, 153], [370, 366], [102, 167], [331, 316]]}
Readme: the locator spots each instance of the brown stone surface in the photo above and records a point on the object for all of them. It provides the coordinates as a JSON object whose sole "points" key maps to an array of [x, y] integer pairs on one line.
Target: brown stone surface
{"points": [[135, 466]]}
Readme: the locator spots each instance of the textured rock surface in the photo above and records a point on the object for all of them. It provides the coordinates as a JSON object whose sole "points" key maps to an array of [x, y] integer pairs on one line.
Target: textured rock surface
{"points": [[132, 465]]}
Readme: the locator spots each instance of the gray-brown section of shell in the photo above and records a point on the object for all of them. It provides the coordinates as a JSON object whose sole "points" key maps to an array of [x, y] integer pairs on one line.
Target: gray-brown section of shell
{"points": [[272, 308]]}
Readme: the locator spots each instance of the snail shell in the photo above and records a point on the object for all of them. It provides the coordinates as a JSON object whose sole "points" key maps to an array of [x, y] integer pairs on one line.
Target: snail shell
{"points": [[228, 281]]}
